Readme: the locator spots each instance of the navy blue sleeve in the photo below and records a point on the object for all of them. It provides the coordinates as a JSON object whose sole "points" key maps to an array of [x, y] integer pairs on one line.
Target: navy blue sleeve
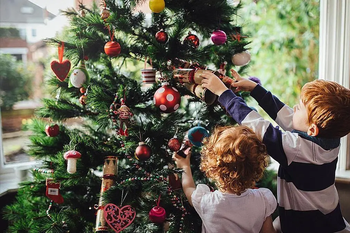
{"points": [[270, 103]]}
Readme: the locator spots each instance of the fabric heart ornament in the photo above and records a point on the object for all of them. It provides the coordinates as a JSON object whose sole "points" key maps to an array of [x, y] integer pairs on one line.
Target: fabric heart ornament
{"points": [[61, 69], [119, 218]]}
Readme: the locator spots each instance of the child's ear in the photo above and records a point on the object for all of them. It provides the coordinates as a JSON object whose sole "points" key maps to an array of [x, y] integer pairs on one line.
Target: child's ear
{"points": [[313, 130]]}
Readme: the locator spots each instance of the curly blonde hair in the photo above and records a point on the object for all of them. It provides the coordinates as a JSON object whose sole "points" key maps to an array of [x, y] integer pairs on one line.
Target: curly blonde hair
{"points": [[234, 157]]}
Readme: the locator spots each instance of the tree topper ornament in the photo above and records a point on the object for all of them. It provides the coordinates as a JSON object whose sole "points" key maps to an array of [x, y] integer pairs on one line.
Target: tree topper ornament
{"points": [[123, 114]]}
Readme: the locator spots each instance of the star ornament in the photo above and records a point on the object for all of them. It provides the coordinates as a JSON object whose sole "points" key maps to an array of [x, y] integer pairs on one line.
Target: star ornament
{"points": [[197, 134], [237, 36]]}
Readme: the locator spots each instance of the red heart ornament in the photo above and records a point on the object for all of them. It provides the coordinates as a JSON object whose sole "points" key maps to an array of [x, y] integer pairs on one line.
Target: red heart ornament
{"points": [[119, 218], [52, 130], [61, 69]]}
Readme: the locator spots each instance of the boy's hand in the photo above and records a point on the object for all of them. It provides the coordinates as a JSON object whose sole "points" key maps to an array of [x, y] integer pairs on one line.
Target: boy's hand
{"points": [[242, 84], [213, 83], [182, 162]]}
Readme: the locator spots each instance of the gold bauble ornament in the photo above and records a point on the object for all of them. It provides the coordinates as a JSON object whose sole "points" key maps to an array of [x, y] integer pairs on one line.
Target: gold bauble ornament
{"points": [[156, 6]]}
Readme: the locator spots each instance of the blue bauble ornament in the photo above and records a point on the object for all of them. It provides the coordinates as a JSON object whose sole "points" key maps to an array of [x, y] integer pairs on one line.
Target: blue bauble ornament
{"points": [[197, 134]]}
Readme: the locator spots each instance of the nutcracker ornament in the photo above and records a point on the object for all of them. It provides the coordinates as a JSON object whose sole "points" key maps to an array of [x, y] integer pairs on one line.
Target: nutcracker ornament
{"points": [[123, 114], [110, 170], [167, 98]]}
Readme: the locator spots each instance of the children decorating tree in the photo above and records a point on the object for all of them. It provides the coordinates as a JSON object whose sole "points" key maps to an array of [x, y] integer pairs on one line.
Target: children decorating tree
{"points": [[115, 172]]}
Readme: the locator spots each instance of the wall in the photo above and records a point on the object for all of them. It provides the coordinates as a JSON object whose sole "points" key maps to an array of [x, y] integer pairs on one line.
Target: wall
{"points": [[343, 187]]}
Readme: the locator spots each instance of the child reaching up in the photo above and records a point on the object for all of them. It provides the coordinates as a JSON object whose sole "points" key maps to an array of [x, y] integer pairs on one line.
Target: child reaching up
{"points": [[234, 158], [306, 147]]}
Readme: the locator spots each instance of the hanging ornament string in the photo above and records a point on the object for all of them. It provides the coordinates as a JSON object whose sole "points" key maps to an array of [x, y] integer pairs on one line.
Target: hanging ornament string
{"points": [[60, 51], [111, 34], [48, 210], [158, 200], [122, 197]]}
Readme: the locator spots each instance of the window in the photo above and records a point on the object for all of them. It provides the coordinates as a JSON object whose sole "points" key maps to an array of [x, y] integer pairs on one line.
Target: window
{"points": [[335, 59], [33, 32], [27, 10], [23, 33]]}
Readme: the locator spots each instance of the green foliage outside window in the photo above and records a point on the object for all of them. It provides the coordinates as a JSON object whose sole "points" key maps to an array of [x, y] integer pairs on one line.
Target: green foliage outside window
{"points": [[284, 48], [15, 81]]}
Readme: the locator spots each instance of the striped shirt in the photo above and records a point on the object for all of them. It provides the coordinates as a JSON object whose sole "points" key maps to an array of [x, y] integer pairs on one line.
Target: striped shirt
{"points": [[306, 193]]}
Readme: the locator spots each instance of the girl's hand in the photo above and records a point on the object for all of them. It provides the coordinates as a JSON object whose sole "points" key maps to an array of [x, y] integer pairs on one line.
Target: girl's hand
{"points": [[182, 162]]}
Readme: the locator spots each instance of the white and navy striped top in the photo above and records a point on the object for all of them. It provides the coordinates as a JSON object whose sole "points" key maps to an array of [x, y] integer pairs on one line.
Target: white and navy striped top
{"points": [[307, 197]]}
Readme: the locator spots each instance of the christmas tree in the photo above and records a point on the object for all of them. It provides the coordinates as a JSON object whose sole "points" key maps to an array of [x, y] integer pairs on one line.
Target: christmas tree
{"points": [[135, 84]]}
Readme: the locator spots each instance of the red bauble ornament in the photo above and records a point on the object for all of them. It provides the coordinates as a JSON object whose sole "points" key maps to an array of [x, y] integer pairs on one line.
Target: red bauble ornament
{"points": [[162, 37], [174, 144], [82, 90], [218, 37], [112, 48], [143, 151], [167, 98], [192, 40], [83, 99], [157, 214], [52, 130]]}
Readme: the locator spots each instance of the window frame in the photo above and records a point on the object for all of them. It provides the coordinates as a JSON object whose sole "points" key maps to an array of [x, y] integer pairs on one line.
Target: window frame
{"points": [[10, 174], [334, 60]]}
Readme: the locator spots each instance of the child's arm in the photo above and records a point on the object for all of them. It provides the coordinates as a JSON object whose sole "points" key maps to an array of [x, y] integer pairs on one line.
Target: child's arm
{"points": [[271, 136], [267, 226], [277, 110], [188, 184]]}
